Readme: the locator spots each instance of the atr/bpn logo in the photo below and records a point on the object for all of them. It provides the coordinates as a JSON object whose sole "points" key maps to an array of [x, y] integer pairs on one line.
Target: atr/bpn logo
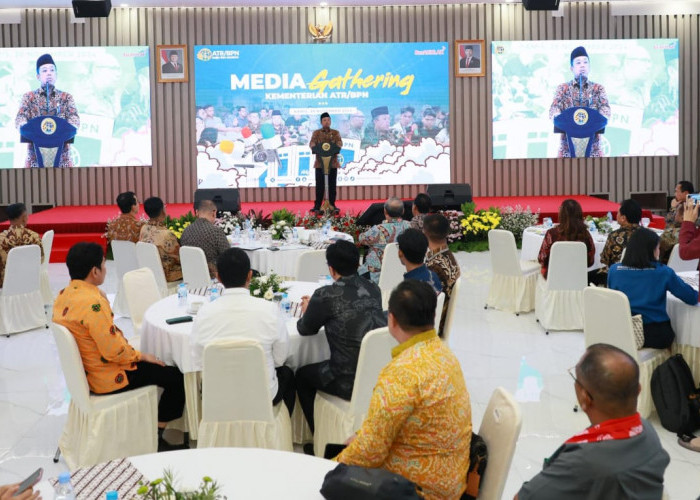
{"points": [[581, 117], [48, 126], [204, 55]]}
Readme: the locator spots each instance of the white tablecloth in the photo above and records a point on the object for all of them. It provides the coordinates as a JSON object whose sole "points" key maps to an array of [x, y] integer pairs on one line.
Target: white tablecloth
{"points": [[534, 236], [685, 320]]}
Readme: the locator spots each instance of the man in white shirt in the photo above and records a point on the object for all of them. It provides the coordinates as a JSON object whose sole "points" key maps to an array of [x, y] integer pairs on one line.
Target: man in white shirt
{"points": [[236, 314]]}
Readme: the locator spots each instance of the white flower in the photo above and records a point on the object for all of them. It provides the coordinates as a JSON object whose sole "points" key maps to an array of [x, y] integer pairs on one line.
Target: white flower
{"points": [[269, 294], [263, 280], [282, 223], [256, 291]]}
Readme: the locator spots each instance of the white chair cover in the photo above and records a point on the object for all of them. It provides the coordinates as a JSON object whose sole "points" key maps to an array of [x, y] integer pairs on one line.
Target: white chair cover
{"points": [[147, 256], [195, 270], [558, 298], [311, 265], [608, 319], [141, 292], [679, 265], [46, 244], [391, 273], [500, 429], [438, 308], [21, 303], [336, 419], [236, 402], [125, 260], [102, 428], [451, 311], [513, 281]]}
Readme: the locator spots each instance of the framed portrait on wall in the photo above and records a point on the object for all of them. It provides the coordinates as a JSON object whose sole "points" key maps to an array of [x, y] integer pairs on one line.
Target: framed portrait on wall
{"points": [[470, 58], [171, 63]]}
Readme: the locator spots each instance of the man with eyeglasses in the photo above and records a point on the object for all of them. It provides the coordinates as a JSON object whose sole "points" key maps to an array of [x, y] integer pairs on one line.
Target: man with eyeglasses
{"points": [[619, 456], [203, 233]]}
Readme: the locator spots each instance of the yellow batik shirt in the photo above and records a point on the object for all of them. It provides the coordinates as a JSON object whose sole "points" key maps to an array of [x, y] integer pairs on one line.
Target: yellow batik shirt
{"points": [[419, 421], [106, 354]]}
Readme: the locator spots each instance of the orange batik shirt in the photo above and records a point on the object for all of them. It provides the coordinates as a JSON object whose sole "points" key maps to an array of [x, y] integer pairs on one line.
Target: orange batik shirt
{"points": [[419, 421], [106, 354]]}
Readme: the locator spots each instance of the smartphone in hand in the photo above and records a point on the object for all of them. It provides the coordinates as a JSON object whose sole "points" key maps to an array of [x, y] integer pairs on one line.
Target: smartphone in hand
{"points": [[30, 481]]}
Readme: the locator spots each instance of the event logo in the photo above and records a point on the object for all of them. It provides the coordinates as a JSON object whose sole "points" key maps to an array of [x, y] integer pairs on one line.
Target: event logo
{"points": [[581, 116], [48, 126], [430, 52], [204, 54], [500, 49]]}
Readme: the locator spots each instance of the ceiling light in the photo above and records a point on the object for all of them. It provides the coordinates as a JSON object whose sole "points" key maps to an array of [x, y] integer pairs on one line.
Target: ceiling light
{"points": [[324, 4]]}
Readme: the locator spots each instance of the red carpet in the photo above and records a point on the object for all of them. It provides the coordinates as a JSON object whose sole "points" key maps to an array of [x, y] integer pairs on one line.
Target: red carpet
{"points": [[87, 223]]}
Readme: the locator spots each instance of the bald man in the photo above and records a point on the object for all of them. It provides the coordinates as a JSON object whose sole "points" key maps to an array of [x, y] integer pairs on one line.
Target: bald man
{"points": [[619, 456], [203, 233]]}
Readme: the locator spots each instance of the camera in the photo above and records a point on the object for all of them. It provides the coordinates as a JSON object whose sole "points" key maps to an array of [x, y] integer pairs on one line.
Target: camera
{"points": [[695, 198]]}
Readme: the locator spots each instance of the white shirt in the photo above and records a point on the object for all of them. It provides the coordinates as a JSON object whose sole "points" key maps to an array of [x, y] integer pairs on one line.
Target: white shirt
{"points": [[238, 315]]}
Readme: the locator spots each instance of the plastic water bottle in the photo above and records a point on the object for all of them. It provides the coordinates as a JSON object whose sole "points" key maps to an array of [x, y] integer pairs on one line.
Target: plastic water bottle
{"points": [[326, 229], [182, 294], [286, 306], [64, 490], [112, 495], [214, 291], [251, 234], [295, 235], [237, 233], [610, 219], [591, 227]]}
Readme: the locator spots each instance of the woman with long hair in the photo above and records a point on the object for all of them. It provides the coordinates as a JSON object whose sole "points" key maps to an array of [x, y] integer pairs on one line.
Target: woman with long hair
{"points": [[645, 281], [571, 228]]}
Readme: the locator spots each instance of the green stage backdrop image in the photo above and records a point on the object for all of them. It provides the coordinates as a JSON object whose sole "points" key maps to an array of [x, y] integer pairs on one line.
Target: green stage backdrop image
{"points": [[111, 89]]}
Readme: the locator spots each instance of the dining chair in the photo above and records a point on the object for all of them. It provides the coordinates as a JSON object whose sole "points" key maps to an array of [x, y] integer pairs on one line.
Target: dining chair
{"points": [[240, 414], [21, 303], [311, 265], [391, 273], [125, 260], [438, 308], [141, 292], [513, 281], [46, 244], [680, 265], [451, 312], [195, 270], [558, 300], [608, 320], [147, 255]]}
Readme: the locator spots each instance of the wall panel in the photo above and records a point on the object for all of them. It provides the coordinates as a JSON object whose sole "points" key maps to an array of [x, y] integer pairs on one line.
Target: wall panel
{"points": [[173, 175]]}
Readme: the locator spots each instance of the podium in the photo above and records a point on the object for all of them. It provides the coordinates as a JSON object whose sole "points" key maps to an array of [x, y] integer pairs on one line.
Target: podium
{"points": [[325, 152], [580, 124], [48, 135]]}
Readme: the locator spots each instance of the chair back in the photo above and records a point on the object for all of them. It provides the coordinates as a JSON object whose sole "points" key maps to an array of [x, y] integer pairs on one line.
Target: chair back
{"points": [[451, 310], [234, 382], [375, 354], [147, 255], [124, 257], [392, 269], [500, 429], [311, 265], [141, 292], [680, 265], [47, 244], [567, 266], [72, 365], [438, 308], [607, 319], [22, 270], [195, 270], [504, 253]]}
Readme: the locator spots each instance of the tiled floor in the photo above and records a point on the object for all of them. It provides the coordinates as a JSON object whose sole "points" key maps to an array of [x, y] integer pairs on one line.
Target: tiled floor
{"points": [[494, 348]]}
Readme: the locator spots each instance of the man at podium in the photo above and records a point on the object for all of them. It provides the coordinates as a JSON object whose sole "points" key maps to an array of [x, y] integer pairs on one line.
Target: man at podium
{"points": [[328, 137], [580, 92], [60, 104]]}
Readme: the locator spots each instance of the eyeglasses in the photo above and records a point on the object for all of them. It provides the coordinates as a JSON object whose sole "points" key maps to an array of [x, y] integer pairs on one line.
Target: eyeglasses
{"points": [[572, 372]]}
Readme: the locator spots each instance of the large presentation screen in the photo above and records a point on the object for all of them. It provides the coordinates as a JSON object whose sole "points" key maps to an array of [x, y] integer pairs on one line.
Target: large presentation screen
{"points": [[102, 91], [634, 84], [257, 106]]}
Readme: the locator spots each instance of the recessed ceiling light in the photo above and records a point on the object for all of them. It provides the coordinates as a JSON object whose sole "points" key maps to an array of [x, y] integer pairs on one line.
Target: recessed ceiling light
{"points": [[324, 4], [124, 5]]}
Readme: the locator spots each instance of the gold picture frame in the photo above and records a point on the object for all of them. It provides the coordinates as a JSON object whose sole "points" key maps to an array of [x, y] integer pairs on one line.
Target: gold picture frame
{"points": [[169, 70], [470, 65]]}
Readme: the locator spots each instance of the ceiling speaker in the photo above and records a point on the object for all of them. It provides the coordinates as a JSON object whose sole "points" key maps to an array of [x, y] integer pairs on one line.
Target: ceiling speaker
{"points": [[92, 8], [541, 4]]}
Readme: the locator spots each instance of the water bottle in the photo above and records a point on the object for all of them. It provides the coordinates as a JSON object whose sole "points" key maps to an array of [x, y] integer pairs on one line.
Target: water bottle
{"points": [[591, 226], [295, 235], [214, 291], [112, 495], [251, 234], [64, 490], [182, 294], [326, 229], [237, 233], [286, 306], [610, 219]]}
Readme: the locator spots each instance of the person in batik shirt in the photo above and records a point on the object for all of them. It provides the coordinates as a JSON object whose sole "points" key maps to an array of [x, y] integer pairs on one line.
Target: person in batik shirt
{"points": [[126, 227], [17, 235], [155, 232]]}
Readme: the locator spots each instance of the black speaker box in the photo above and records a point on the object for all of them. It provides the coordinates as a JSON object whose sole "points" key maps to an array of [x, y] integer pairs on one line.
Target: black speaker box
{"points": [[375, 214], [449, 196], [227, 200], [92, 8], [541, 4]]}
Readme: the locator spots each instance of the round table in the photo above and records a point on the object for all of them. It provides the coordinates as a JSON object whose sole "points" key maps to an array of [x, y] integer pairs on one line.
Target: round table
{"points": [[533, 237]]}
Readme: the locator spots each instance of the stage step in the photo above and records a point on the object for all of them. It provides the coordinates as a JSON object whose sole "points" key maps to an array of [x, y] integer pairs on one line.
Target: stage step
{"points": [[63, 241]]}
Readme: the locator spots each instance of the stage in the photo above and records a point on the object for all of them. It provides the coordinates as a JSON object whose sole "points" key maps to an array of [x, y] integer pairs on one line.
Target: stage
{"points": [[72, 224]]}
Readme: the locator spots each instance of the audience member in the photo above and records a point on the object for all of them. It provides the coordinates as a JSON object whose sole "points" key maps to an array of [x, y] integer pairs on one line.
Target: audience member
{"points": [[17, 235], [571, 228], [347, 309], [203, 233], [9, 492], [111, 364], [419, 421], [689, 238], [619, 456], [628, 217], [126, 227], [421, 208], [236, 314], [645, 281], [377, 237], [440, 258], [154, 231], [674, 220], [413, 246]]}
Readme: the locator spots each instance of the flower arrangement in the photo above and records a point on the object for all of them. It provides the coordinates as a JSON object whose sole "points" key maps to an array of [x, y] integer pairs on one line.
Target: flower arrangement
{"points": [[177, 225], [454, 217], [516, 219], [164, 489], [266, 286], [281, 220], [602, 224], [229, 221], [476, 226], [345, 224]]}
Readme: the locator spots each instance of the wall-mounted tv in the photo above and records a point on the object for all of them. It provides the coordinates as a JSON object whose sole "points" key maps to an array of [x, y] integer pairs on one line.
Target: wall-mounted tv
{"points": [[632, 86]]}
